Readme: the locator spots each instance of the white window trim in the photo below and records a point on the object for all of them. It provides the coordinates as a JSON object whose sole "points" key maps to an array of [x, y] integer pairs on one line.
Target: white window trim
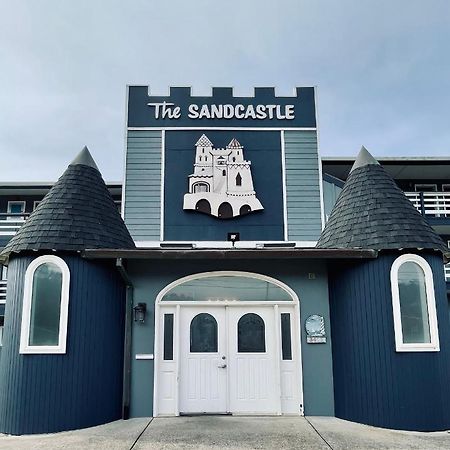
{"points": [[25, 348], [36, 203], [16, 202], [400, 346]]}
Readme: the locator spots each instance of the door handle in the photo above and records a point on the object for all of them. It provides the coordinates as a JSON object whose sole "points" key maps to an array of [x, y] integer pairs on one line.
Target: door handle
{"points": [[222, 366]]}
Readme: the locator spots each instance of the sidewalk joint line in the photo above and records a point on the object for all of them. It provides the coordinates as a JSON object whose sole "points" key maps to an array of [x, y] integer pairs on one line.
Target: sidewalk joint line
{"points": [[315, 429], [141, 433]]}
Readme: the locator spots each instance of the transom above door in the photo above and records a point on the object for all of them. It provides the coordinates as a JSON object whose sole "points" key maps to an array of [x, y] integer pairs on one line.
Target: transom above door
{"points": [[227, 342]]}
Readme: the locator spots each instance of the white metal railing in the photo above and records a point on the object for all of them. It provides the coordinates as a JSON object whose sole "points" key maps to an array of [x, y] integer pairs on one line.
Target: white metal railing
{"points": [[10, 223], [447, 272], [435, 204], [2, 291]]}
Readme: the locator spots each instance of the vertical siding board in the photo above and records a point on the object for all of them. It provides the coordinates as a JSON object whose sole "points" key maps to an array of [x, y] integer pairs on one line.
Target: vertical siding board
{"points": [[302, 185], [143, 175], [49, 393], [390, 389]]}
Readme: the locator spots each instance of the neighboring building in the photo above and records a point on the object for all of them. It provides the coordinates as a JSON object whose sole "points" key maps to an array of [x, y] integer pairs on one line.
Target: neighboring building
{"points": [[304, 307]]}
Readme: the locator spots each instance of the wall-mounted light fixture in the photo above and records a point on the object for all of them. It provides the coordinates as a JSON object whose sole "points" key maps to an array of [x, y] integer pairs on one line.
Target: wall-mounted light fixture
{"points": [[140, 311], [233, 237]]}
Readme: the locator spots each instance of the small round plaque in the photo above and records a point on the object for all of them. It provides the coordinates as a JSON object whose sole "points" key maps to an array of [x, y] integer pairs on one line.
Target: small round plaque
{"points": [[315, 326]]}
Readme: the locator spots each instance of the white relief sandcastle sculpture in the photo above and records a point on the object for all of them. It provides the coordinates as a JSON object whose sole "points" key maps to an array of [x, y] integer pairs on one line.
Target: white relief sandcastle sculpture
{"points": [[222, 184]]}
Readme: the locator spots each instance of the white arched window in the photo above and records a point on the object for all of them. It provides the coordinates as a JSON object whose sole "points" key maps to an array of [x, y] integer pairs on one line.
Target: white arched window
{"points": [[45, 306], [414, 305]]}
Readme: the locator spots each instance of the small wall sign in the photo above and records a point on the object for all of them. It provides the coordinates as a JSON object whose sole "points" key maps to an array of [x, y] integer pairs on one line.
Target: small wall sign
{"points": [[315, 330]]}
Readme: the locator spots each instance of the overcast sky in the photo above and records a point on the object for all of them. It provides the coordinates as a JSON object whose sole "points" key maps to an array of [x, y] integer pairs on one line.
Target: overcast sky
{"points": [[382, 69]]}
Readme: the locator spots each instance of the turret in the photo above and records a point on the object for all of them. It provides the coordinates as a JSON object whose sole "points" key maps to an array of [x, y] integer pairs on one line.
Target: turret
{"points": [[64, 319], [389, 315]]}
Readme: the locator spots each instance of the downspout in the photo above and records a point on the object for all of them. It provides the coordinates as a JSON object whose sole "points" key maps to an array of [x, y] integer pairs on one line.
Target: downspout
{"points": [[127, 340]]}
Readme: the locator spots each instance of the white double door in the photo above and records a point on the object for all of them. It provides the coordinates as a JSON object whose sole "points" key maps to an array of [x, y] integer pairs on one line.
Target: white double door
{"points": [[229, 360]]}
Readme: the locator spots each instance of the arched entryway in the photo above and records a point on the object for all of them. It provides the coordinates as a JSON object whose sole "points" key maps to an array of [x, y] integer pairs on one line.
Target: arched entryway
{"points": [[227, 342], [203, 206], [225, 211]]}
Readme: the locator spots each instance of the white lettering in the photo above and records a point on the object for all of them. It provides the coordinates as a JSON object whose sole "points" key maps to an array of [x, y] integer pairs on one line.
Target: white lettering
{"points": [[239, 111], [279, 115], [250, 112], [216, 111], [193, 111], [228, 111], [270, 109], [290, 112], [165, 110], [204, 112], [261, 111]]}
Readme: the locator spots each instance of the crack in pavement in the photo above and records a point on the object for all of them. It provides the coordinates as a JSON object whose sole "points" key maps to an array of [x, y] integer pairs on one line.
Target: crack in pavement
{"points": [[317, 431], [141, 433]]}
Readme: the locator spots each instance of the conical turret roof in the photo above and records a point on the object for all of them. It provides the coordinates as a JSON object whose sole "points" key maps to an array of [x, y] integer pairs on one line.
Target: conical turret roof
{"points": [[77, 213], [373, 212]]}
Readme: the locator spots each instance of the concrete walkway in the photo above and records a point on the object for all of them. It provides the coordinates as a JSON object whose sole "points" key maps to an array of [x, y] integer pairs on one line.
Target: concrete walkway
{"points": [[230, 432]]}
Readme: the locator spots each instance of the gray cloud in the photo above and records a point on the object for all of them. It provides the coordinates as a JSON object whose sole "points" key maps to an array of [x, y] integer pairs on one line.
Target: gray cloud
{"points": [[381, 68]]}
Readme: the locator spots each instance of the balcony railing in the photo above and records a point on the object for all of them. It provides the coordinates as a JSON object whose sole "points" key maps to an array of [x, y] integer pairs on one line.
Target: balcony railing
{"points": [[2, 291], [11, 222], [436, 204]]}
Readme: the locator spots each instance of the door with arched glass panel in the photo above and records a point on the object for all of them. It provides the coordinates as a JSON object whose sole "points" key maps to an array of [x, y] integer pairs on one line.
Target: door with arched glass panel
{"points": [[228, 343], [203, 380], [253, 371]]}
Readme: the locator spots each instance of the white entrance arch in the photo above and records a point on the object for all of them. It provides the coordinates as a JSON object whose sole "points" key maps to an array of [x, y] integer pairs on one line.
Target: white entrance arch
{"points": [[208, 380]]}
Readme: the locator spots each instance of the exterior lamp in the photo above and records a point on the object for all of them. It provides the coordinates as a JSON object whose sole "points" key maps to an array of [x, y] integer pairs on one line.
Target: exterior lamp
{"points": [[233, 237], [140, 310]]}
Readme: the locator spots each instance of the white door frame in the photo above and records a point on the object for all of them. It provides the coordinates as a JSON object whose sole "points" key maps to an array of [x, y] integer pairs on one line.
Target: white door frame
{"points": [[175, 309]]}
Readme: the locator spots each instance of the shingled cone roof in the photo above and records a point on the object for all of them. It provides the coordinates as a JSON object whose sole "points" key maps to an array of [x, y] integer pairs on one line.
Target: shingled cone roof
{"points": [[373, 212], [77, 213]]}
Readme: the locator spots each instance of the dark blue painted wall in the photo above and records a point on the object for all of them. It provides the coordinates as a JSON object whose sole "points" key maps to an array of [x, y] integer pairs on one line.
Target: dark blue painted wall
{"points": [[263, 149], [373, 383], [49, 393]]}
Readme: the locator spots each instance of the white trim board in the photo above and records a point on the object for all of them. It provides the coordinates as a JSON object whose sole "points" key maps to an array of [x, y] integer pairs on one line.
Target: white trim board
{"points": [[25, 347], [223, 128], [162, 368], [400, 346], [224, 244]]}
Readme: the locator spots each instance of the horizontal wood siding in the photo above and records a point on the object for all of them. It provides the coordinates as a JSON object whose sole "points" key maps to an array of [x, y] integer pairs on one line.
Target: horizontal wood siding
{"points": [[302, 185], [373, 383], [82, 388], [143, 185]]}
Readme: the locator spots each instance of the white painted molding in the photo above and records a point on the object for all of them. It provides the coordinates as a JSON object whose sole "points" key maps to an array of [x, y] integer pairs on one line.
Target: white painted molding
{"points": [[144, 356], [400, 346], [228, 273], [25, 348], [224, 244]]}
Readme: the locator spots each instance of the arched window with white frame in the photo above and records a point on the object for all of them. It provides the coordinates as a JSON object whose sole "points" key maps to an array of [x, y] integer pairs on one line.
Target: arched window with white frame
{"points": [[414, 305], [45, 306]]}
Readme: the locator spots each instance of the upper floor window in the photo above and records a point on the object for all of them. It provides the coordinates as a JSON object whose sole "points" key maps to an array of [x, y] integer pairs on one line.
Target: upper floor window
{"points": [[414, 305], [16, 208], [45, 306]]}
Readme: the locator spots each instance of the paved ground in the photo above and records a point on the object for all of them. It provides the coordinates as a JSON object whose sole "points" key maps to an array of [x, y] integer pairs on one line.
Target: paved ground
{"points": [[227, 432]]}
